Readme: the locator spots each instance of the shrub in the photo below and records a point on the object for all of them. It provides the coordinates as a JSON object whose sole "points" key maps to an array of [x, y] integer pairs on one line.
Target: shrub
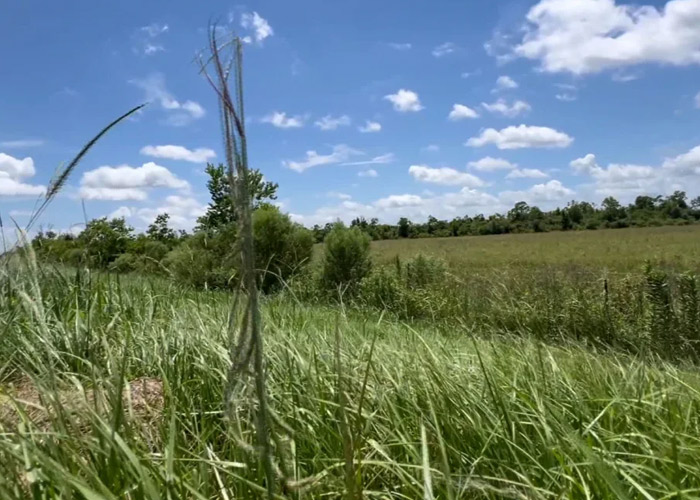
{"points": [[423, 270], [346, 257], [205, 259], [125, 263], [282, 248]]}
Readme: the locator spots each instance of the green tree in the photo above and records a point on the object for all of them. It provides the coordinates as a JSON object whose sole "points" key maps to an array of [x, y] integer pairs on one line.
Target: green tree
{"points": [[220, 211], [612, 210], [159, 230], [104, 240], [404, 227], [346, 257]]}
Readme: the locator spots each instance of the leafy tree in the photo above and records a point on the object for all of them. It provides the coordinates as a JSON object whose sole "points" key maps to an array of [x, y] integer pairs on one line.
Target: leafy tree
{"points": [[159, 230], [282, 248], [346, 257], [612, 210], [220, 211], [404, 227], [520, 212], [104, 240]]}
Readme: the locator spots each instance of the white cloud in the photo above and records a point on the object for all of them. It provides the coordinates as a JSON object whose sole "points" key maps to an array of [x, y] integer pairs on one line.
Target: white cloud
{"points": [[121, 212], [444, 176], [431, 148], [370, 127], [618, 179], [444, 49], [340, 196], [566, 97], [551, 191], [14, 187], [489, 164], [685, 164], [505, 83], [183, 211], [16, 168], [623, 77], [260, 27], [399, 201], [178, 113], [145, 39], [460, 112], [377, 160], [503, 108], [341, 153], [526, 173], [329, 122], [111, 194], [22, 143], [12, 171], [404, 101], [522, 136], [368, 173], [588, 36], [127, 183], [173, 152], [281, 120], [400, 46]]}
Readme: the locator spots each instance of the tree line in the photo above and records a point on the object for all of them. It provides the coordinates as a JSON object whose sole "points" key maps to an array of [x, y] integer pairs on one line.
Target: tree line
{"points": [[675, 209], [207, 256]]}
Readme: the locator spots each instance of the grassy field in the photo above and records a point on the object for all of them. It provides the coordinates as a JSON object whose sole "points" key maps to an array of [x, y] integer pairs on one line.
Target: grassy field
{"points": [[615, 249], [535, 376]]}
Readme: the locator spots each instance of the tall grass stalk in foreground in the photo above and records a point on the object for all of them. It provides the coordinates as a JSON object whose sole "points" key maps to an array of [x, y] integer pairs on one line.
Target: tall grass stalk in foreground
{"points": [[249, 343]]}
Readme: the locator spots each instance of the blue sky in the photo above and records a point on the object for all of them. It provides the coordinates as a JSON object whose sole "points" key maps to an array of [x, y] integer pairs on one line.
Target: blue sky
{"points": [[380, 109]]}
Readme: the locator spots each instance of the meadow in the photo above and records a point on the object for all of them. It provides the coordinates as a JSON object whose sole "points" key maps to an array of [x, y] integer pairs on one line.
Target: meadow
{"points": [[505, 367]]}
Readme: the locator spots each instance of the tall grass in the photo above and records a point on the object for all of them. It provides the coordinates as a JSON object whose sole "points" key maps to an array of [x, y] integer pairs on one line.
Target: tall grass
{"points": [[430, 414]]}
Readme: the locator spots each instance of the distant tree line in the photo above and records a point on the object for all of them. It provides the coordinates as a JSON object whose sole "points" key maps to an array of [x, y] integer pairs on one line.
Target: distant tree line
{"points": [[207, 257], [646, 211]]}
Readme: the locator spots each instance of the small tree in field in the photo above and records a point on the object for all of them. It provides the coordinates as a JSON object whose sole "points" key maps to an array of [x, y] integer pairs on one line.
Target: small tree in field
{"points": [[221, 211], [346, 257]]}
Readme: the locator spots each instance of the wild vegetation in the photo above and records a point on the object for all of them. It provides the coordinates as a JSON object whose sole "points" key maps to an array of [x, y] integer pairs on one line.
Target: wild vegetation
{"points": [[559, 365]]}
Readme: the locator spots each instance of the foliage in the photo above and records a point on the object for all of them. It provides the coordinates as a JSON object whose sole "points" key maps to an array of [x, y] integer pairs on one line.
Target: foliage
{"points": [[220, 212], [282, 248], [500, 417], [346, 257]]}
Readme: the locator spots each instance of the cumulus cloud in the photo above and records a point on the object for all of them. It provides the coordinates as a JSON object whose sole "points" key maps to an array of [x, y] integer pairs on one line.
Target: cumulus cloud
{"points": [[489, 164], [178, 113], [370, 127], [444, 176], [330, 122], [552, 191], [505, 83], [399, 201], [588, 36], [183, 211], [444, 49], [404, 101], [16, 168], [12, 172], [127, 183], [259, 27], [341, 153], [526, 173], [619, 180], [173, 152], [522, 136], [684, 164], [370, 172], [460, 112], [281, 120], [503, 108]]}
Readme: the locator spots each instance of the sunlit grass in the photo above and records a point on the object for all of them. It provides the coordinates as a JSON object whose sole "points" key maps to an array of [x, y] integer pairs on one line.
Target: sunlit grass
{"points": [[465, 416]]}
